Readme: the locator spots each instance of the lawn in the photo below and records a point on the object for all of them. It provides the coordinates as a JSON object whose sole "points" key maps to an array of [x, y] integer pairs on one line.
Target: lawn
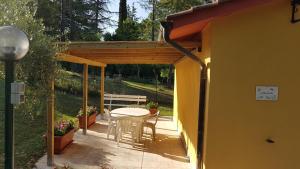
{"points": [[72, 83], [29, 144], [28, 136]]}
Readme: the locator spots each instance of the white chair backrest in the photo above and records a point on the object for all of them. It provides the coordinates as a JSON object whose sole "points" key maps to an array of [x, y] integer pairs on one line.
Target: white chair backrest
{"points": [[156, 117], [107, 113]]}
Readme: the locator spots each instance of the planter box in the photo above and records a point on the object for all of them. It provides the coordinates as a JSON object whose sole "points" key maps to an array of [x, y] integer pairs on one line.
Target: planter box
{"points": [[91, 119], [61, 142], [153, 111]]}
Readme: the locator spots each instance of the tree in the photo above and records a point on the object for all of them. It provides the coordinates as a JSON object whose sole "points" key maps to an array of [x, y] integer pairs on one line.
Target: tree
{"points": [[151, 5], [151, 25], [38, 66], [122, 12], [166, 7], [164, 73], [79, 19], [150, 29], [159, 10], [49, 11], [129, 29]]}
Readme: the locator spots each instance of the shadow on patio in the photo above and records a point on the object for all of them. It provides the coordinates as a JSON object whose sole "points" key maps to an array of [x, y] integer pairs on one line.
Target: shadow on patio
{"points": [[95, 151]]}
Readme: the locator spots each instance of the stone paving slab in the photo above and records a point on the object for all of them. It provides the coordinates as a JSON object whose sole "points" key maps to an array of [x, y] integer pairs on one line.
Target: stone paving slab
{"points": [[95, 151]]}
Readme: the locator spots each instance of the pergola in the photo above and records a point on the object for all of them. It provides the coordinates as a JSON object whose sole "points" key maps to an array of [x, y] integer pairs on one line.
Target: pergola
{"points": [[100, 54]]}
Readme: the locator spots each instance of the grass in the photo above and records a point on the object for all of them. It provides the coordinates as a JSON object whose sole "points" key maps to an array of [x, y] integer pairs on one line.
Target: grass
{"points": [[68, 105], [71, 83], [28, 136], [150, 87], [29, 144], [165, 111]]}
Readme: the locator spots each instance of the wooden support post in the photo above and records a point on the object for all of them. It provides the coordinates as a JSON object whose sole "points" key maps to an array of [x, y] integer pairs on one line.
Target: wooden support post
{"points": [[85, 97], [50, 126], [102, 89]]}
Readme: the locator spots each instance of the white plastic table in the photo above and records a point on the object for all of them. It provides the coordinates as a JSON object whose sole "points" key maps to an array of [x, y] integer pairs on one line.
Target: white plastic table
{"points": [[136, 115], [133, 112]]}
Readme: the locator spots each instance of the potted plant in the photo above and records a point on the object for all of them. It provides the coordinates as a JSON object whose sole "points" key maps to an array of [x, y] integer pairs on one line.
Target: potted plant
{"points": [[91, 116], [63, 135], [152, 106]]}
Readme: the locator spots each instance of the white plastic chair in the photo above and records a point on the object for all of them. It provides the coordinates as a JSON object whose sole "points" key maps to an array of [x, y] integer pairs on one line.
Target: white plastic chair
{"points": [[151, 125], [127, 125], [112, 124]]}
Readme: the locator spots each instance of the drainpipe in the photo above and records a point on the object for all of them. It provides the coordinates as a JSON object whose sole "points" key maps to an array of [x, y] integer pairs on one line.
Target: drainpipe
{"points": [[168, 26]]}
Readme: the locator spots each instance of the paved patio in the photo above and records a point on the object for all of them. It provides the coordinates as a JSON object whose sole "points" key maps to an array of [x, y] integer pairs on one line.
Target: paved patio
{"points": [[94, 151]]}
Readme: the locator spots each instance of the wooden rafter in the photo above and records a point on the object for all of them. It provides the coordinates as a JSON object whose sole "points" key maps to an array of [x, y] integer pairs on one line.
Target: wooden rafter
{"points": [[126, 45], [79, 60]]}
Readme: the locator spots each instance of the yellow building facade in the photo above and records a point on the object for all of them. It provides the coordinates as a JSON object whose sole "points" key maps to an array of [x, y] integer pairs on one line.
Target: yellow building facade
{"points": [[254, 47]]}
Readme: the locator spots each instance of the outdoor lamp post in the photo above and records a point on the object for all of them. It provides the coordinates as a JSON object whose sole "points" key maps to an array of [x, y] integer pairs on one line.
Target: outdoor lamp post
{"points": [[14, 45]]}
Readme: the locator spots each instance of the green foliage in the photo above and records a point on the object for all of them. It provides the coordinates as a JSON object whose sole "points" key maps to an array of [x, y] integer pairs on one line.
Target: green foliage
{"points": [[152, 105], [1, 71], [29, 143], [122, 12], [146, 27], [72, 83], [49, 12], [129, 31], [164, 73], [35, 69], [129, 28], [79, 19], [167, 7], [38, 66], [160, 9]]}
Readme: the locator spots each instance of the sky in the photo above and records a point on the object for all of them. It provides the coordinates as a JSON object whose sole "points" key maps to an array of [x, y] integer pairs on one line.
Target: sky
{"points": [[114, 6]]}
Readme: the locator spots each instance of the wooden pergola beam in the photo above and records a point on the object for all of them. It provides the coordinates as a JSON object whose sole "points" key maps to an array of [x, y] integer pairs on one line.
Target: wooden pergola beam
{"points": [[139, 61], [124, 50], [50, 126], [102, 90], [79, 60], [126, 44], [85, 97], [155, 55]]}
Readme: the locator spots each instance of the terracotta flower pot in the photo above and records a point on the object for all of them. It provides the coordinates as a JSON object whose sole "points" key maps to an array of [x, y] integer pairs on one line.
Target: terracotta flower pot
{"points": [[90, 120], [61, 142], [153, 110]]}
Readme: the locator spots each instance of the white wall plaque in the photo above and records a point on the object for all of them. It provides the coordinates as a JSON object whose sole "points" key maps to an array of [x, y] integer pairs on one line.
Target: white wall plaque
{"points": [[267, 93]]}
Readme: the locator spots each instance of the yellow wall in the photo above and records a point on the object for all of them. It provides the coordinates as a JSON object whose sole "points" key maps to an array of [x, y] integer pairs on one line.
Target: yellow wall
{"points": [[186, 100], [187, 104], [254, 47]]}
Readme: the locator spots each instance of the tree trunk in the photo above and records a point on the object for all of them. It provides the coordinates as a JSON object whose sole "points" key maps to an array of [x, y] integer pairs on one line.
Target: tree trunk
{"points": [[122, 12], [138, 71], [153, 19], [156, 83], [97, 14], [62, 20]]}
